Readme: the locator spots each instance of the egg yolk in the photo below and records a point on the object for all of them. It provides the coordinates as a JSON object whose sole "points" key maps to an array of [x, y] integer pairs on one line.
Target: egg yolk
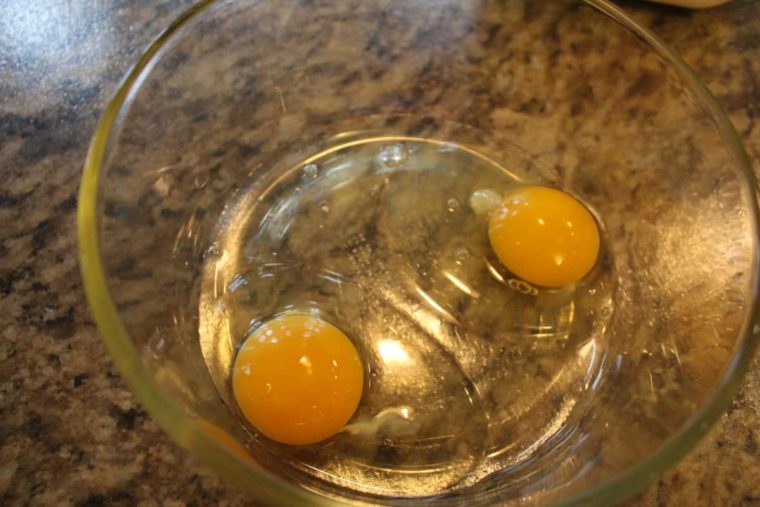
{"points": [[544, 236], [298, 379]]}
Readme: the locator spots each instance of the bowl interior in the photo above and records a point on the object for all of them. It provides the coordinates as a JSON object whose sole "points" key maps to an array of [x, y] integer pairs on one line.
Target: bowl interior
{"points": [[566, 93]]}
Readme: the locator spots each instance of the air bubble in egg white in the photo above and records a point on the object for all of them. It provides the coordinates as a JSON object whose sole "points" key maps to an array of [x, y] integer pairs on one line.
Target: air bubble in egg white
{"points": [[452, 205], [311, 170], [462, 255], [392, 155], [483, 201]]}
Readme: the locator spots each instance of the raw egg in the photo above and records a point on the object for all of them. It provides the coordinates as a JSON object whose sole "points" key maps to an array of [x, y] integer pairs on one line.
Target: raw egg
{"points": [[544, 236], [298, 379]]}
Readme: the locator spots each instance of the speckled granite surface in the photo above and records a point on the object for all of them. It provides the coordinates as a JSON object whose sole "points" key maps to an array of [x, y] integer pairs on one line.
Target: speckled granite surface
{"points": [[70, 431]]}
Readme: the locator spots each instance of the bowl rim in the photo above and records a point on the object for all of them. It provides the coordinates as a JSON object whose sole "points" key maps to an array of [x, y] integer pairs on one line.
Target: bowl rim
{"points": [[225, 461]]}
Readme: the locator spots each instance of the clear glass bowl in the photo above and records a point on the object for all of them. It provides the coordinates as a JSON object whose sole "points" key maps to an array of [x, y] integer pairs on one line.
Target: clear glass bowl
{"points": [[567, 93]]}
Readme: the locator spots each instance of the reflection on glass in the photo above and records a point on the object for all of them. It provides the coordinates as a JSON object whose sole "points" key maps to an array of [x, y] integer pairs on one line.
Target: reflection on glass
{"points": [[393, 353]]}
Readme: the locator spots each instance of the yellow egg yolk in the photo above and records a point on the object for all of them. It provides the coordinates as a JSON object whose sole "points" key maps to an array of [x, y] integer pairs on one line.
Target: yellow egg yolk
{"points": [[298, 379], [544, 236]]}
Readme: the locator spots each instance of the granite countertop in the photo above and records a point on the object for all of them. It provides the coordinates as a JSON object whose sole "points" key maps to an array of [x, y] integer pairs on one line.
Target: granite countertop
{"points": [[71, 433]]}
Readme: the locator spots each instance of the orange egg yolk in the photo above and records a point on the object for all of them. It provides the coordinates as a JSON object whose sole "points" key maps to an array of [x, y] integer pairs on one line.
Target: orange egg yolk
{"points": [[544, 236], [298, 379]]}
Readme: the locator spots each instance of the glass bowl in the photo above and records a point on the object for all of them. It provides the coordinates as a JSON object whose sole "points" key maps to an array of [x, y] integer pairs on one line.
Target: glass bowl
{"points": [[239, 96]]}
